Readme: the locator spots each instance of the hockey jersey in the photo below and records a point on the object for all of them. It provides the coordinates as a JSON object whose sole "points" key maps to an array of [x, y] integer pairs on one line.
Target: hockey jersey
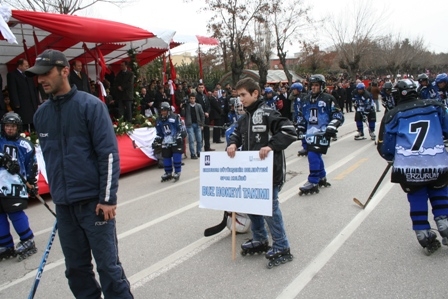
{"points": [[411, 136]]}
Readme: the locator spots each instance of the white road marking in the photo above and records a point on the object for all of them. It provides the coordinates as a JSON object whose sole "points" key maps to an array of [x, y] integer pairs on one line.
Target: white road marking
{"points": [[146, 275], [302, 280]]}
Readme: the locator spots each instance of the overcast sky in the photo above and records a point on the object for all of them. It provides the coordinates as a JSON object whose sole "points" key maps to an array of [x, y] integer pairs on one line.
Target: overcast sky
{"points": [[409, 18]]}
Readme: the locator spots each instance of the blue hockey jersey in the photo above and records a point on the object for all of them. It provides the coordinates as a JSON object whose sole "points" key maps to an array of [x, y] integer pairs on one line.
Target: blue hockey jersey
{"points": [[411, 135]]}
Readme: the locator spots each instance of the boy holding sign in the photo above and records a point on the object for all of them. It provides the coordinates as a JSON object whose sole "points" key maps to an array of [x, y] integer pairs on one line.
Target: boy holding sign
{"points": [[264, 129]]}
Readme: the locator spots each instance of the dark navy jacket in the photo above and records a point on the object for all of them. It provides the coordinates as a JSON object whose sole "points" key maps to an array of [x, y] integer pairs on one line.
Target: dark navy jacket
{"points": [[79, 148]]}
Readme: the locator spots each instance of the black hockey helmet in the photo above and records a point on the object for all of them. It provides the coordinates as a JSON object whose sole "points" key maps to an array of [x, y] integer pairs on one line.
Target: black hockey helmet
{"points": [[387, 86], [11, 118], [404, 89], [422, 77], [165, 106], [318, 78]]}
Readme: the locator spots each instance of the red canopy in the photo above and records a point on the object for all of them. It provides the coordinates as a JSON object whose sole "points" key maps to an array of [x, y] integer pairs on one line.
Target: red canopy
{"points": [[78, 37], [82, 28]]}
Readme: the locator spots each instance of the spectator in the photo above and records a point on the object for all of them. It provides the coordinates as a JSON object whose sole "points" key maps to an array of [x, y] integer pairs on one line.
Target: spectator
{"points": [[79, 78], [203, 100], [124, 91], [22, 93], [194, 121]]}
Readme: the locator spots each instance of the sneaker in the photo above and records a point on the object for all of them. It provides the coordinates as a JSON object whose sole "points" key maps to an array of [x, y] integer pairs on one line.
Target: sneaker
{"points": [[194, 157]]}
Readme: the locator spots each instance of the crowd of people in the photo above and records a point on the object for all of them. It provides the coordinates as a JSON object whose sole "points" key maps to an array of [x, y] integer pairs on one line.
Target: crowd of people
{"points": [[411, 136]]}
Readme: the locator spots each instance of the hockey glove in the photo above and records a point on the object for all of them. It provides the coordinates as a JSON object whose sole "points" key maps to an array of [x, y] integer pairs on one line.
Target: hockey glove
{"points": [[12, 166], [332, 128], [33, 191], [179, 140], [300, 131]]}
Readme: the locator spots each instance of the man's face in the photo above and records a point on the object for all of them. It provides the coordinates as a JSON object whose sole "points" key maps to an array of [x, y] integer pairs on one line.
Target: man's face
{"points": [[143, 91], [24, 66], [295, 92], [164, 112], [315, 88], [441, 85], [201, 88], [123, 66], [246, 98], [283, 89], [192, 100], [52, 81], [360, 91], [424, 82], [77, 66], [11, 130]]}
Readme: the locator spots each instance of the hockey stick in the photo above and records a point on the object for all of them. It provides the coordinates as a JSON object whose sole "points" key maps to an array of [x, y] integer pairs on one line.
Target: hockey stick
{"points": [[389, 165], [43, 261], [217, 228], [33, 191], [218, 127]]}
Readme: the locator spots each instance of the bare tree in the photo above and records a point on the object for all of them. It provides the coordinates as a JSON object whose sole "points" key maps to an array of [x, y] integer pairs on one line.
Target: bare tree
{"points": [[290, 21], [231, 24], [353, 34], [262, 50], [67, 7]]}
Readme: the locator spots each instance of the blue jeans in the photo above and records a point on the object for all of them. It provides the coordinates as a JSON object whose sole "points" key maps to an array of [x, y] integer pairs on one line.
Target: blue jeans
{"points": [[194, 132], [83, 233], [275, 224]]}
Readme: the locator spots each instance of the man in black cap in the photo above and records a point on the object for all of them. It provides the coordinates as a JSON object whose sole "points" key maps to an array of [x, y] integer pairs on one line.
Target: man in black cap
{"points": [[82, 162]]}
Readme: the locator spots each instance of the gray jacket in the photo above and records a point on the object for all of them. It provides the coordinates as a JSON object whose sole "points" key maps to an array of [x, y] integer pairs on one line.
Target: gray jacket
{"points": [[186, 113]]}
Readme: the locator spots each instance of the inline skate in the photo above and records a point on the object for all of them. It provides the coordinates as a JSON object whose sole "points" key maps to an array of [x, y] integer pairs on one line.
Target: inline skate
{"points": [[25, 248], [176, 176], [166, 177], [7, 252], [442, 226], [251, 247], [428, 240], [323, 182], [277, 257], [309, 188], [360, 136]]}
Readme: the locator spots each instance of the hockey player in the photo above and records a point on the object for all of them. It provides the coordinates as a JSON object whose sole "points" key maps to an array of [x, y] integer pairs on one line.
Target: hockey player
{"points": [[365, 111], [264, 130], [441, 88], [296, 93], [411, 136], [319, 119], [387, 97], [271, 99], [17, 157], [425, 90], [169, 136]]}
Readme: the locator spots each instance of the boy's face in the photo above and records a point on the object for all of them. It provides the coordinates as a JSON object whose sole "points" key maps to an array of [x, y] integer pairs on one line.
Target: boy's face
{"points": [[246, 98]]}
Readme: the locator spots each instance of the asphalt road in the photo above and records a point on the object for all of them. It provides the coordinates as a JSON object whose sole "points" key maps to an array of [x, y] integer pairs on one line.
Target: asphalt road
{"points": [[340, 250]]}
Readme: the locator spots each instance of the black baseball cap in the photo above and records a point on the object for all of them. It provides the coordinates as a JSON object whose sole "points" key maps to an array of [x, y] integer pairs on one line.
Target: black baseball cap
{"points": [[46, 61]]}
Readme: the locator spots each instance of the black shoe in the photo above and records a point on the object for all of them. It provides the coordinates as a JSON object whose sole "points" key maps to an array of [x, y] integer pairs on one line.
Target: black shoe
{"points": [[194, 157], [210, 150], [199, 155], [219, 141]]}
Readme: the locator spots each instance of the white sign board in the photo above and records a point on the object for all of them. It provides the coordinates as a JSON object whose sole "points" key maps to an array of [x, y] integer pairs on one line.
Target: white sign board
{"points": [[241, 184]]}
